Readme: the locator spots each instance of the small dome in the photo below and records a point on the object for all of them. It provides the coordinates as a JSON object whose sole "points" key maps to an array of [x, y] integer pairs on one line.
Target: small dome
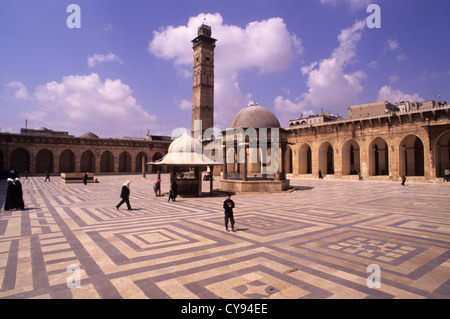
{"points": [[185, 144], [89, 135], [255, 116], [42, 129]]}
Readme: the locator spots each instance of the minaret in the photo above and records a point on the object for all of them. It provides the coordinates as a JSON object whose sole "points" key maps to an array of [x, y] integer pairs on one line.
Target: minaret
{"points": [[203, 83]]}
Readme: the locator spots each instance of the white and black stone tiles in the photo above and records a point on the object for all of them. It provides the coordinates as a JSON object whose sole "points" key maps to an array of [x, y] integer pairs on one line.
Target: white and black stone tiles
{"points": [[315, 241]]}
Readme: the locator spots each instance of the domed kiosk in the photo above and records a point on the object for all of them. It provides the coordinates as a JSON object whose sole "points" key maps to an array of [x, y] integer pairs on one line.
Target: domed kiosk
{"points": [[186, 162], [254, 149]]}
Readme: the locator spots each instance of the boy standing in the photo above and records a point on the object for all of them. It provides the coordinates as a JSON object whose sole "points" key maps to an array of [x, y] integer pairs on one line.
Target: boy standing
{"points": [[228, 205]]}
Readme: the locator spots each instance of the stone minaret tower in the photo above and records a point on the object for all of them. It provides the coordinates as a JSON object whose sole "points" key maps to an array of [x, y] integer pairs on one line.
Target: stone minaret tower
{"points": [[203, 86]]}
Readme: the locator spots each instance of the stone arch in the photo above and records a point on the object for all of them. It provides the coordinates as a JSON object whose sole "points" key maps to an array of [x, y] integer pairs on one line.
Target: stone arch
{"points": [[124, 162], [442, 153], [20, 160], [44, 161], [67, 161], [87, 162], [351, 164], [326, 158], [304, 159], [139, 162], [107, 162], [378, 157], [411, 156]]}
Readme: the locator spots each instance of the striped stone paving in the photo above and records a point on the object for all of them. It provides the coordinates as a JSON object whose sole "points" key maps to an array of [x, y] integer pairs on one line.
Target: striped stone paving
{"points": [[316, 241]]}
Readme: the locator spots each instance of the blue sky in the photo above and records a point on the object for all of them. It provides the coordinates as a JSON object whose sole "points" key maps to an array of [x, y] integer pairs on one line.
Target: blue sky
{"points": [[128, 69]]}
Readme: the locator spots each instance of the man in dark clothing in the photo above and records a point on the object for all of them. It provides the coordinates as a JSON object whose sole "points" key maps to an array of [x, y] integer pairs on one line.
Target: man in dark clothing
{"points": [[47, 176], [173, 191], [228, 205], [85, 178], [125, 195]]}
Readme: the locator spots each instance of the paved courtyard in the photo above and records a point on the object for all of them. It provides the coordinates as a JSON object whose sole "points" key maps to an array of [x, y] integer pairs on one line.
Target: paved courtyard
{"points": [[314, 242]]}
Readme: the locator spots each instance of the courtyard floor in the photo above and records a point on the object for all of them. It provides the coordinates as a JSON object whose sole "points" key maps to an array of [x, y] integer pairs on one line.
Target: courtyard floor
{"points": [[316, 241]]}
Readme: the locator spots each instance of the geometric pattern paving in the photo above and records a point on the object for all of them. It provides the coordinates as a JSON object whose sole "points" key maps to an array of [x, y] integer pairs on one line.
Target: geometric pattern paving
{"points": [[313, 242]]}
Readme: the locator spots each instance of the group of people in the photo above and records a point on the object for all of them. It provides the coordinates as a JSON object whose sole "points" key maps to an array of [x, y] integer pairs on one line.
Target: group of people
{"points": [[228, 204], [14, 195], [125, 192], [173, 192]]}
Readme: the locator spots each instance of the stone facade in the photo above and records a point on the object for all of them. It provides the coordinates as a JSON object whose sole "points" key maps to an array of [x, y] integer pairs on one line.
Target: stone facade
{"points": [[39, 154], [379, 147]]}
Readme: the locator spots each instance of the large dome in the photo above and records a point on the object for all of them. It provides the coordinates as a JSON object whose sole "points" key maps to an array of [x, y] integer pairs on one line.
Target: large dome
{"points": [[255, 116]]}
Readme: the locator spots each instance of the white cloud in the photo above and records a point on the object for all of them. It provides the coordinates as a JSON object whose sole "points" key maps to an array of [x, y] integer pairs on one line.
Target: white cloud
{"points": [[330, 87], [263, 45], [394, 78], [97, 59], [387, 93], [82, 103], [184, 104], [289, 110], [17, 90], [392, 45]]}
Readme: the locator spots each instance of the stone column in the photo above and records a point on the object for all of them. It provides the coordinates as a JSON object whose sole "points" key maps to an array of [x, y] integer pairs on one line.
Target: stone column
{"points": [[211, 169], [143, 167], [56, 156], [200, 181], [77, 162], [279, 175], [97, 161], [225, 165], [244, 166]]}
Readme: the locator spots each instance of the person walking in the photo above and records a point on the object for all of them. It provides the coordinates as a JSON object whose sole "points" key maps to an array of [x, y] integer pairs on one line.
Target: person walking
{"points": [[47, 177], [18, 194], [125, 195], [320, 174], [228, 205], [403, 179], [85, 178], [9, 200]]}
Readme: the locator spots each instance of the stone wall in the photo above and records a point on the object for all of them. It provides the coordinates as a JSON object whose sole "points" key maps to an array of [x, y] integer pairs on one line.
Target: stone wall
{"points": [[39, 154], [383, 146]]}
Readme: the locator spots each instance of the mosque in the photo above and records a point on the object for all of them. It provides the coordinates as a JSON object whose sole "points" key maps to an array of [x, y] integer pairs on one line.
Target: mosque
{"points": [[381, 144]]}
